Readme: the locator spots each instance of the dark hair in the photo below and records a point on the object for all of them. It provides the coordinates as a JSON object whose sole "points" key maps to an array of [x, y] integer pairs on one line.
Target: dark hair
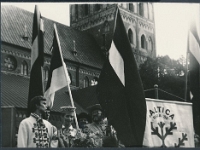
{"points": [[35, 101], [84, 115]]}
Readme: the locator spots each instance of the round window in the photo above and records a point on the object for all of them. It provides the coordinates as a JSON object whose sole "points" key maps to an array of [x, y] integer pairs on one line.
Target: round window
{"points": [[10, 63]]}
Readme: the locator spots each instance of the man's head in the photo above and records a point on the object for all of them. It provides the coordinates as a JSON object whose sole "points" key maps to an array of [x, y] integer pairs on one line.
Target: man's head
{"points": [[38, 103], [68, 114], [96, 113], [83, 119], [46, 114]]}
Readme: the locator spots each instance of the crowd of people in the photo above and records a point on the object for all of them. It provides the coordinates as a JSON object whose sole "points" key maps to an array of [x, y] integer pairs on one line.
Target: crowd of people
{"points": [[93, 129]]}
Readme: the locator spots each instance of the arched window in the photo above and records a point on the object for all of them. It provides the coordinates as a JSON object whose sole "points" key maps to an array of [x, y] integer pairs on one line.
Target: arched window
{"points": [[143, 42], [97, 7], [86, 82], [130, 36], [10, 63], [24, 68], [141, 9], [86, 9], [131, 7]]}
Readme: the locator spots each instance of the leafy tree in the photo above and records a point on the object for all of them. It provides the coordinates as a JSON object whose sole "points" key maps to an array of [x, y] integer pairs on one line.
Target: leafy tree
{"points": [[167, 73]]}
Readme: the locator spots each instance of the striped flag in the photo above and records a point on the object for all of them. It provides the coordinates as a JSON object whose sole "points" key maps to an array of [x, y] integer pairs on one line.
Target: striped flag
{"points": [[194, 69], [120, 90], [37, 57], [58, 75]]}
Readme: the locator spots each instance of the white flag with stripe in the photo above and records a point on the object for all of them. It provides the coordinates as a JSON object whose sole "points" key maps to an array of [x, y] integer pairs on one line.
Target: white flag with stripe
{"points": [[58, 75]]}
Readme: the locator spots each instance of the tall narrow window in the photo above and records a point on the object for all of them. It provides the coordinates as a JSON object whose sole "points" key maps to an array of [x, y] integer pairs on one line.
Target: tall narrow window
{"points": [[86, 82], [130, 36], [143, 42], [141, 9], [24, 68], [76, 11], [131, 7], [86, 9]]}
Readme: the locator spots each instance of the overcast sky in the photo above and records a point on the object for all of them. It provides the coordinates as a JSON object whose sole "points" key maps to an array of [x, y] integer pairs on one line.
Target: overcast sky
{"points": [[171, 22]]}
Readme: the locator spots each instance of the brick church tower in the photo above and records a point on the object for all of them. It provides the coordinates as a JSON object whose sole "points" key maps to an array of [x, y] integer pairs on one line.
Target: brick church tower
{"points": [[98, 20]]}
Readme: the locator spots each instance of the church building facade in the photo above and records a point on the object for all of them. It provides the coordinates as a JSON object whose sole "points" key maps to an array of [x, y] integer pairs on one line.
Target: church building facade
{"points": [[98, 20]]}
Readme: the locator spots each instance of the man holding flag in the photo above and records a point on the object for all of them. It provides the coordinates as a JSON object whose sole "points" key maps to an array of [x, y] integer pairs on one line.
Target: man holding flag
{"points": [[58, 75], [120, 90]]}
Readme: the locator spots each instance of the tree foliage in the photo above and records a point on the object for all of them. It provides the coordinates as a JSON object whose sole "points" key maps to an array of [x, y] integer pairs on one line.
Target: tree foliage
{"points": [[167, 73]]}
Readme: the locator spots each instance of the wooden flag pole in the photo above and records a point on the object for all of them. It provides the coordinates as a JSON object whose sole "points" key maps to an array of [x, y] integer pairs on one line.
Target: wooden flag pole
{"points": [[66, 75], [186, 76]]}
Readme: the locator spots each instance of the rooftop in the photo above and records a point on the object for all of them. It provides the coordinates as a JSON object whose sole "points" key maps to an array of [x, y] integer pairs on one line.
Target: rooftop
{"points": [[15, 19]]}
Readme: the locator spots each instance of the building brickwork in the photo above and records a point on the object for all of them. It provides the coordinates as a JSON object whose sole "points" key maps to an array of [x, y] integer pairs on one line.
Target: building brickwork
{"points": [[98, 20]]}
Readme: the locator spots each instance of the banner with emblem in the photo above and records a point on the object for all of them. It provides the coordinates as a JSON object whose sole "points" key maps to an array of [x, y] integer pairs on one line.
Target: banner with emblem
{"points": [[168, 124]]}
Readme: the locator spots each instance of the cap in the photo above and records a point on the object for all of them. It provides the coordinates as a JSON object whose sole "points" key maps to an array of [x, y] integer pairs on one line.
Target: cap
{"points": [[94, 107], [66, 109], [84, 115]]}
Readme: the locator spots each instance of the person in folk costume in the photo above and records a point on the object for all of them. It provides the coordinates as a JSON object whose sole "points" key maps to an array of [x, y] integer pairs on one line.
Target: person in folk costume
{"points": [[35, 132], [67, 134], [46, 116], [97, 129], [83, 120]]}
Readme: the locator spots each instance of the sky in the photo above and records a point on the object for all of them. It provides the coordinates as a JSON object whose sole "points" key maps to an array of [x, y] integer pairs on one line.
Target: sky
{"points": [[171, 22]]}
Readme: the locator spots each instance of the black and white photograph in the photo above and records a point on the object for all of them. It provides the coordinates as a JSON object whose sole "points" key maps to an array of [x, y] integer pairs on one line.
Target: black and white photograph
{"points": [[100, 75]]}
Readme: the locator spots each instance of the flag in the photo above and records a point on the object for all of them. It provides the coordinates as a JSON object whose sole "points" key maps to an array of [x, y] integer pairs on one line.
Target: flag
{"points": [[120, 91], [37, 58], [58, 75], [168, 124], [194, 70]]}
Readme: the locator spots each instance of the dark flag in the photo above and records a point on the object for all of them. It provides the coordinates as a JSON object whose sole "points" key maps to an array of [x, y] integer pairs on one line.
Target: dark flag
{"points": [[194, 72], [37, 58], [120, 91], [58, 75]]}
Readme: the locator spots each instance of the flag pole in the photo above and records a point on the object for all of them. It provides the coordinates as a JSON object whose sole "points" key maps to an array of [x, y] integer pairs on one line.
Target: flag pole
{"points": [[186, 76], [66, 74]]}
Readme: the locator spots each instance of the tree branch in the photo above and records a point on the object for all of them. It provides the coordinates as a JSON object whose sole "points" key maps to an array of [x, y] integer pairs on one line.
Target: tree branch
{"points": [[181, 141], [155, 131]]}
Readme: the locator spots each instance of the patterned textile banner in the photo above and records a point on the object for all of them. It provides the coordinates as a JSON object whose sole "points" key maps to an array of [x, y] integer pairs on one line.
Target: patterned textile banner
{"points": [[168, 124]]}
